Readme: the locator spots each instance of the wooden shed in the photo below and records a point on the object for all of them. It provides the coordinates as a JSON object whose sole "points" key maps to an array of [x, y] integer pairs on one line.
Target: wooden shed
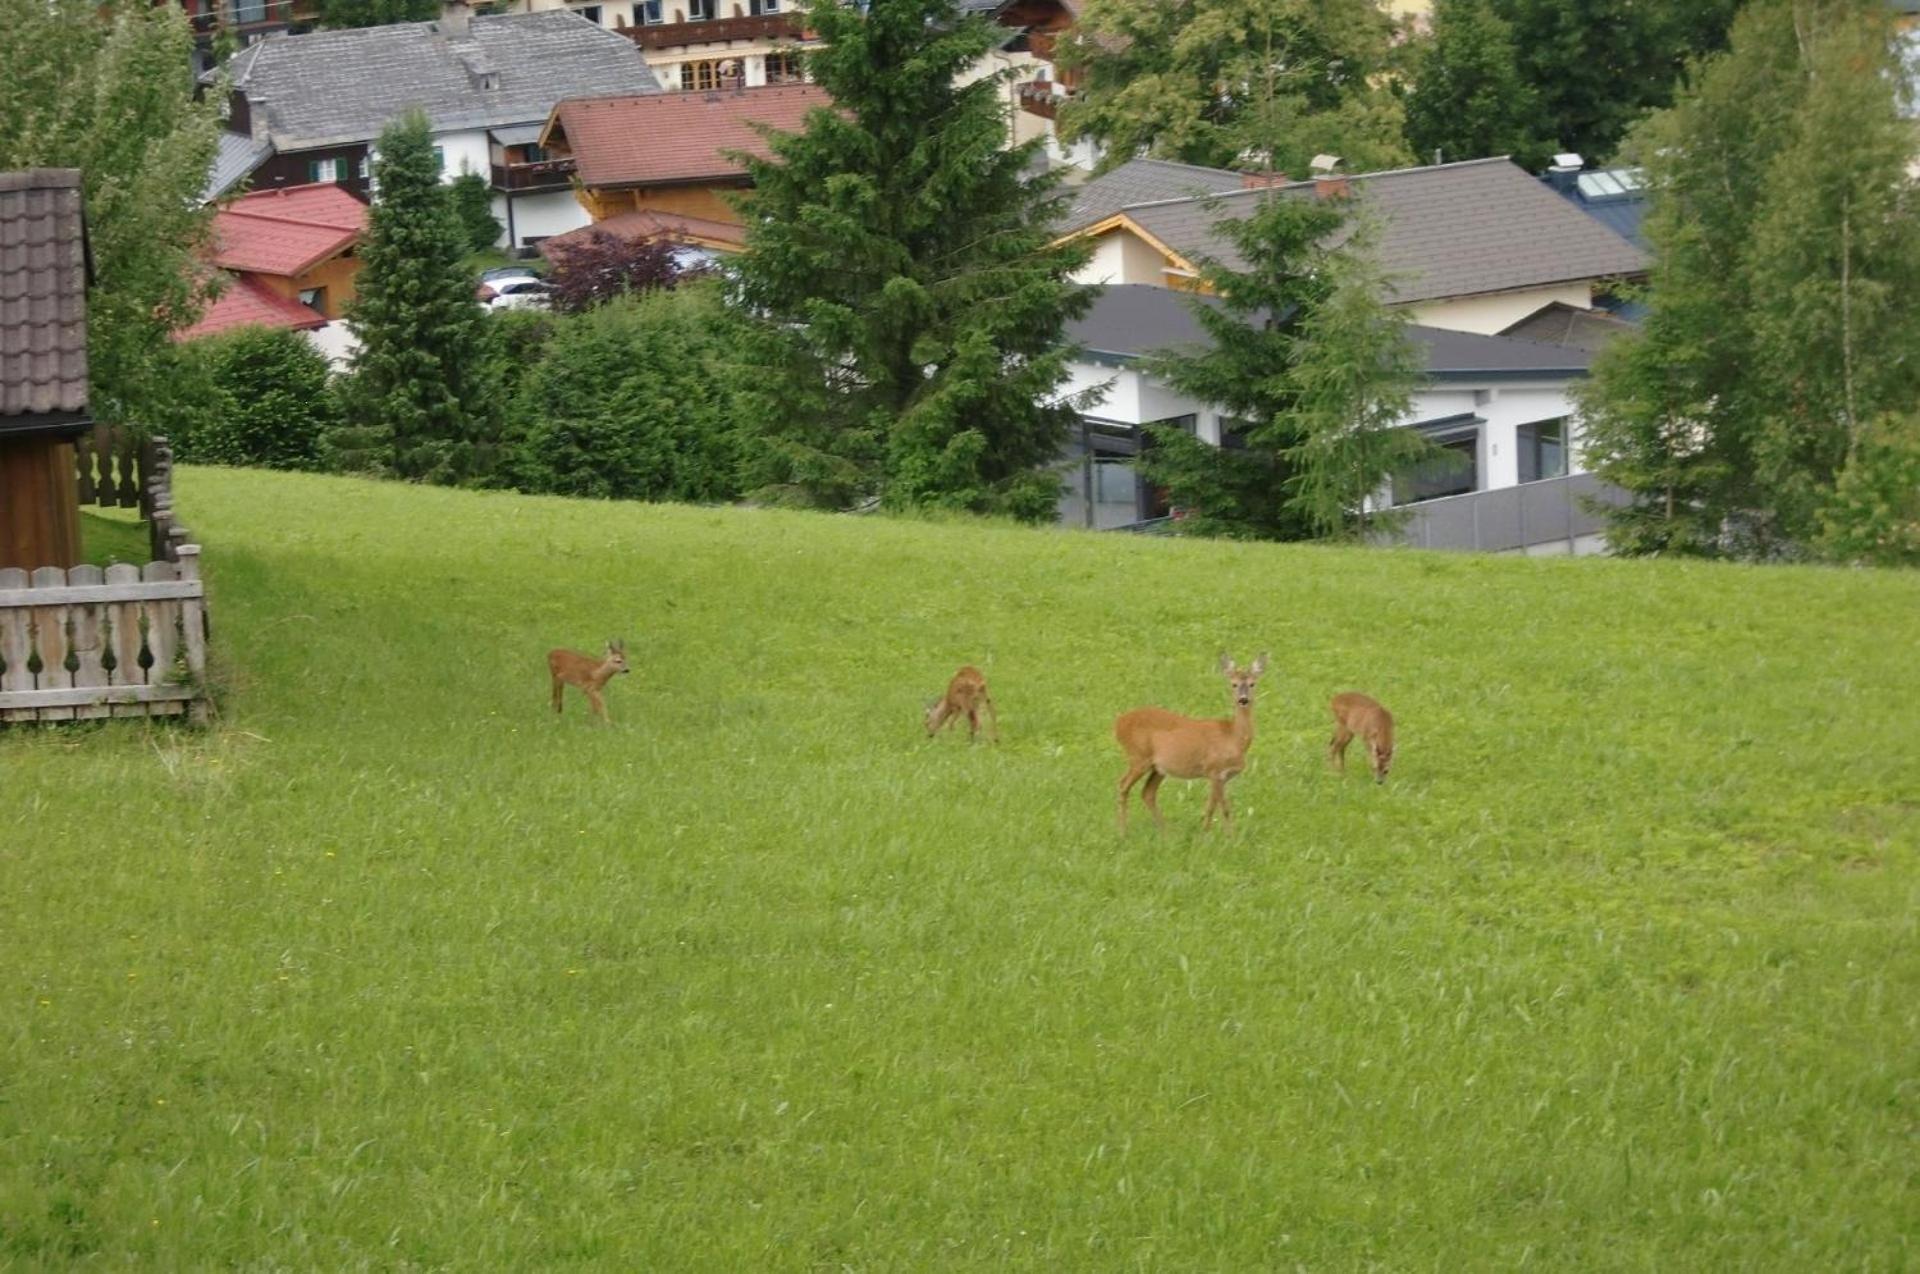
{"points": [[43, 365]]}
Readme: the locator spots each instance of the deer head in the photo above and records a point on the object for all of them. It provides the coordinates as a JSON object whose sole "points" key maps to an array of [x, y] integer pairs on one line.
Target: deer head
{"points": [[617, 655], [1241, 681]]}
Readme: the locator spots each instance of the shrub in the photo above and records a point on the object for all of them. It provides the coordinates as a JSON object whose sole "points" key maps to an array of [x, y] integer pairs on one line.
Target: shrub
{"points": [[473, 204], [255, 396], [633, 400], [594, 269]]}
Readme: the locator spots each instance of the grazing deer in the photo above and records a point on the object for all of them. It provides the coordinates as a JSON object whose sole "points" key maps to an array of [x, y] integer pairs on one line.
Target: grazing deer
{"points": [[1355, 713], [966, 695], [571, 668], [1159, 743]]}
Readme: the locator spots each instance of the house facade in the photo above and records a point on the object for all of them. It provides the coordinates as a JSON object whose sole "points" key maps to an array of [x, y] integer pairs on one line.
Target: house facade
{"points": [[1502, 407], [290, 257], [663, 164], [43, 365], [307, 109], [1473, 247]]}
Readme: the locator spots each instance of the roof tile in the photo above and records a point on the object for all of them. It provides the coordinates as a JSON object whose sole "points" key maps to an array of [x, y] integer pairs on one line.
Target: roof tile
{"points": [[677, 137], [43, 293]]}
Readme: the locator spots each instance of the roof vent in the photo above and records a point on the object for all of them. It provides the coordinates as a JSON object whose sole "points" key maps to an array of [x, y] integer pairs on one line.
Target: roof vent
{"points": [[1324, 165], [1565, 171]]}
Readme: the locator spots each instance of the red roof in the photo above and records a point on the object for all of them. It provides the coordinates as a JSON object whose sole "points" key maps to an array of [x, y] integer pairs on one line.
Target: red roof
{"points": [[661, 138], [248, 303], [649, 224], [287, 232]]}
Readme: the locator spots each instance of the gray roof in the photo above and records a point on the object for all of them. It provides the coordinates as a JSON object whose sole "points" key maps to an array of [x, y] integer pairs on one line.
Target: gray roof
{"points": [[1143, 181], [43, 295], [1445, 230], [339, 87], [1569, 325], [235, 158], [1134, 319]]}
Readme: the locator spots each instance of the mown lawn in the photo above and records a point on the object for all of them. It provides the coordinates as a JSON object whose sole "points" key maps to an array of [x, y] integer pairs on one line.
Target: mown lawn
{"points": [[391, 969]]}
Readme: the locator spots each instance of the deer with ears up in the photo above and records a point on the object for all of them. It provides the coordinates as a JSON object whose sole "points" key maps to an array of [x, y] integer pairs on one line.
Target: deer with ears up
{"points": [[590, 675], [966, 695], [1161, 744]]}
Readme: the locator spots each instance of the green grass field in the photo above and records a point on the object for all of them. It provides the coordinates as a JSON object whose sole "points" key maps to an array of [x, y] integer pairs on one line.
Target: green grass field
{"points": [[392, 969]]}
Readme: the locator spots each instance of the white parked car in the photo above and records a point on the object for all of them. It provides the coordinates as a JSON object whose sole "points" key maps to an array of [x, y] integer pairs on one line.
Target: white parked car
{"points": [[525, 292]]}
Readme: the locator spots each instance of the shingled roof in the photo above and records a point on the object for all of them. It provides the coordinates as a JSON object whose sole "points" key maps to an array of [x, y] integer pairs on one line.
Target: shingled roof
{"points": [[661, 138], [339, 87], [1445, 230], [1133, 319], [43, 299], [287, 231]]}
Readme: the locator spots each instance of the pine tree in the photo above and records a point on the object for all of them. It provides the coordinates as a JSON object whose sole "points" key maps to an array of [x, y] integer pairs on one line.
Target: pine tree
{"points": [[1468, 100], [419, 401], [1317, 370], [901, 260], [473, 204], [1785, 244]]}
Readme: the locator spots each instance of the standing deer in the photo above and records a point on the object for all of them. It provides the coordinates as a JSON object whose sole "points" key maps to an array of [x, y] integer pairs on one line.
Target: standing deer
{"points": [[571, 668], [1355, 713], [966, 695], [1159, 743]]}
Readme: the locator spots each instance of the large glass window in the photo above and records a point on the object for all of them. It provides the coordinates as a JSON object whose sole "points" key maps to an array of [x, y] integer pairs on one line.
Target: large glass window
{"points": [[784, 68], [646, 13], [1543, 449], [700, 75], [759, 7], [1455, 473], [699, 10]]}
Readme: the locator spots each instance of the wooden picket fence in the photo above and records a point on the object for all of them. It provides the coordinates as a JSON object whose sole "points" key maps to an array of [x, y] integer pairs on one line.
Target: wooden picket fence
{"points": [[123, 641], [118, 470], [116, 641]]}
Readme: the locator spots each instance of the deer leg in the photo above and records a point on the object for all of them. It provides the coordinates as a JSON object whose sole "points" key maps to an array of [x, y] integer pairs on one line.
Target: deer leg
{"points": [[941, 716], [599, 706], [973, 724], [993, 720], [1150, 794], [559, 689], [1134, 771], [1226, 810], [1337, 750]]}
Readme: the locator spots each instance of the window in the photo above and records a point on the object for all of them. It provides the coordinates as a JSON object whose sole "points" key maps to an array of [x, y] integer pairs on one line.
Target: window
{"points": [[1456, 473], [314, 299], [761, 7], [646, 13], [326, 170], [366, 167], [785, 68], [440, 158], [699, 10], [704, 75], [244, 12], [1233, 433], [1543, 449], [591, 12]]}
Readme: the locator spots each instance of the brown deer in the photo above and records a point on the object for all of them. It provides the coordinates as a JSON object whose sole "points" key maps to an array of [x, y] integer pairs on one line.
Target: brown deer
{"points": [[1355, 713], [571, 668], [966, 695], [1159, 743]]}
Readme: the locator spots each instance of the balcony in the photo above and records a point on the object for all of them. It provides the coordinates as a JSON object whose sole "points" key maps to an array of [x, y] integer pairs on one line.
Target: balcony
{"points": [[548, 174], [673, 35], [1554, 515], [248, 17], [1040, 97]]}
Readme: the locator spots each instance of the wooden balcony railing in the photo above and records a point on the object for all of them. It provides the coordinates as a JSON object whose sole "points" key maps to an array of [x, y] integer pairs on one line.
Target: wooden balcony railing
{"points": [[548, 174], [669, 35]]}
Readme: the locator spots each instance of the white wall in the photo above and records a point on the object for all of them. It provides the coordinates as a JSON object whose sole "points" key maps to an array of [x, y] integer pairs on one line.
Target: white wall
{"points": [[540, 216], [1491, 315], [1120, 256], [466, 152]]}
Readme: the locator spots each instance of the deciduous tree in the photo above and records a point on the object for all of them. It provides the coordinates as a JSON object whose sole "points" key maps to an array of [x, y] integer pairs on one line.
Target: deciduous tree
{"points": [[1468, 100], [600, 266]]}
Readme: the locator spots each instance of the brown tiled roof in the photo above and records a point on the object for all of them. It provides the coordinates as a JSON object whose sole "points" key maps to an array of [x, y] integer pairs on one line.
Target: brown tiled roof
{"points": [[43, 294], [249, 303], [287, 231], [661, 138], [649, 223]]}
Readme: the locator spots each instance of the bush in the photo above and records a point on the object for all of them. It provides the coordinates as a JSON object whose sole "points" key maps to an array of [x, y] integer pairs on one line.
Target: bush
{"points": [[633, 400], [1874, 515], [255, 396], [600, 266]]}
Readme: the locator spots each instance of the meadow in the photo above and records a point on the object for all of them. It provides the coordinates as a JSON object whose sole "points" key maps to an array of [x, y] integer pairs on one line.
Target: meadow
{"points": [[389, 968]]}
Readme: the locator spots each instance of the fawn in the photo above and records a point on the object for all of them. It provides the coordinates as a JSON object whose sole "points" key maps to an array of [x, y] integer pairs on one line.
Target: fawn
{"points": [[1159, 743], [571, 668], [1355, 713], [966, 695]]}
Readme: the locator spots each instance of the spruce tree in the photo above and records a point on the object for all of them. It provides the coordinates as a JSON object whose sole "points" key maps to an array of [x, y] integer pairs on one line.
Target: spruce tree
{"points": [[900, 258], [1468, 100], [419, 401], [1316, 368]]}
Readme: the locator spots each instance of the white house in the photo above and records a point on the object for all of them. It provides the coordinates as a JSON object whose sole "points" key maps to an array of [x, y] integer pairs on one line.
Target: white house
{"points": [[1503, 405], [308, 108]]}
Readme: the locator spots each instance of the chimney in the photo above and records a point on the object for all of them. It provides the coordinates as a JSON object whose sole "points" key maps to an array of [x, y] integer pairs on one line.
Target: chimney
{"points": [[1565, 171], [1328, 181], [257, 116], [456, 16]]}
